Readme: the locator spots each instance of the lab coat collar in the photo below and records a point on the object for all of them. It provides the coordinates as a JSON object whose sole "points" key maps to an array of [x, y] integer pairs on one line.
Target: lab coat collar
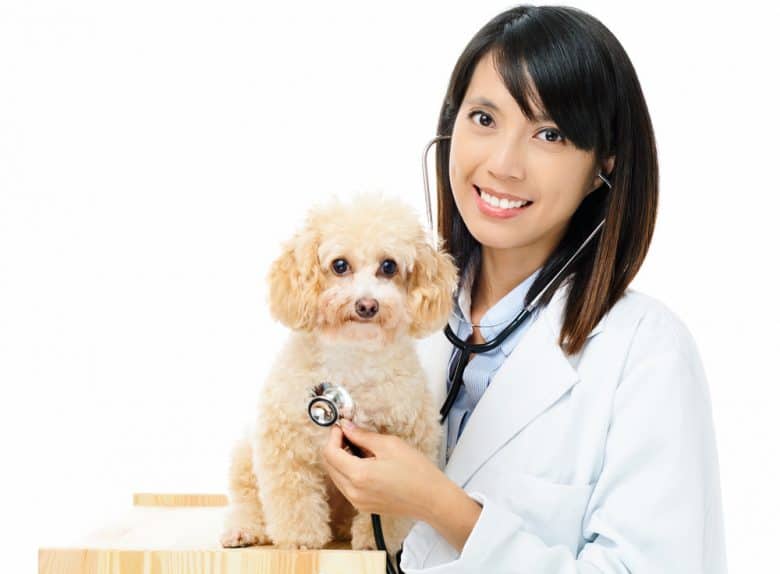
{"points": [[533, 377]]}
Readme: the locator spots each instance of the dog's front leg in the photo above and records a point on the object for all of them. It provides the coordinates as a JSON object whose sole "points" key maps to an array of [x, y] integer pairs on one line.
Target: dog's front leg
{"points": [[294, 495], [394, 530], [244, 521]]}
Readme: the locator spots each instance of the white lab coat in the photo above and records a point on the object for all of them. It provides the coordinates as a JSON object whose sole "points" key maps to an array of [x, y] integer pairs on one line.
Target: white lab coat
{"points": [[601, 462]]}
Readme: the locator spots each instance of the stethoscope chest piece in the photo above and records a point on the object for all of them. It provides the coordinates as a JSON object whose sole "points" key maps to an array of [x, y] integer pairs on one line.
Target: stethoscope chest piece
{"points": [[328, 403]]}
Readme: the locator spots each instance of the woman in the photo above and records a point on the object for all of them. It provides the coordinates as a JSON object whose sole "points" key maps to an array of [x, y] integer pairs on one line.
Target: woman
{"points": [[584, 442]]}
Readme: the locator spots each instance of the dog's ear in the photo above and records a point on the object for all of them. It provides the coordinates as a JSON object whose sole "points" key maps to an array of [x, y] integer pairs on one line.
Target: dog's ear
{"points": [[431, 285], [295, 281]]}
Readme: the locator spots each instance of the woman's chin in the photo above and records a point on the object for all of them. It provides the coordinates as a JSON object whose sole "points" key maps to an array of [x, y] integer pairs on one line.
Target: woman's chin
{"points": [[497, 238]]}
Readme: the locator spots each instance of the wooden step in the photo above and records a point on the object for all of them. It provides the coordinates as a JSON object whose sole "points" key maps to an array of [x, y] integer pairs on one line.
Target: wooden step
{"points": [[179, 534]]}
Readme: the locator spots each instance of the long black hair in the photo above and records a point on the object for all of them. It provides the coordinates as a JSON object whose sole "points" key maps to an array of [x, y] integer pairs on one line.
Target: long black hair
{"points": [[589, 88]]}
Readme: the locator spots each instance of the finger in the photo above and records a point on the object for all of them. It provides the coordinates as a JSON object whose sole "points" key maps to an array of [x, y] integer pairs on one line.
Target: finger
{"points": [[341, 481], [369, 442], [334, 437], [338, 477], [336, 456]]}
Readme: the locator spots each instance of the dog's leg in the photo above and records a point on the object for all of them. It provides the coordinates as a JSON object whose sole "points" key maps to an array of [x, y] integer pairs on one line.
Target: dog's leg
{"points": [[394, 530], [341, 512], [244, 522], [363, 532], [425, 434], [293, 489]]}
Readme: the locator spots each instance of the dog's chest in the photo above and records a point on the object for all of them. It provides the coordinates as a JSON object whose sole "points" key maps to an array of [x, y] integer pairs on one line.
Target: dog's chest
{"points": [[385, 393]]}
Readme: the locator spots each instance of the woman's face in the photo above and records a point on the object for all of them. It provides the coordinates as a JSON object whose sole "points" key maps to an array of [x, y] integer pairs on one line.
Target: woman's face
{"points": [[495, 148]]}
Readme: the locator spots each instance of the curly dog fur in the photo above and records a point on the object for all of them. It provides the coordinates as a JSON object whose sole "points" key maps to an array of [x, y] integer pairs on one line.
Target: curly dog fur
{"points": [[353, 323]]}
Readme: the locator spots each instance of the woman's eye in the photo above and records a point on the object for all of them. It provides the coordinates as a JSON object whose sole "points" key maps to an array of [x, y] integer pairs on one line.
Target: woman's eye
{"points": [[485, 120], [340, 266], [482, 116], [555, 133], [389, 267]]}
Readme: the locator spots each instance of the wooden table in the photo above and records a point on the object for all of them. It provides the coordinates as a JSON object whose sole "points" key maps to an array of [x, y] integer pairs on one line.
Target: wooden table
{"points": [[179, 534]]}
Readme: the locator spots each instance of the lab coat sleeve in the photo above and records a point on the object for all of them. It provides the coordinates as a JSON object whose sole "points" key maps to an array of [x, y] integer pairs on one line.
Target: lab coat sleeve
{"points": [[656, 505]]}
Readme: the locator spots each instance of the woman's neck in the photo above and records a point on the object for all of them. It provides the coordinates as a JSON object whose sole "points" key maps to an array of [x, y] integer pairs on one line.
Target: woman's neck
{"points": [[501, 270]]}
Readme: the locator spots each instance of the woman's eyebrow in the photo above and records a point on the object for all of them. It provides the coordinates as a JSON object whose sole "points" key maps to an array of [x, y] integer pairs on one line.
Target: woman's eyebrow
{"points": [[483, 102], [479, 101]]}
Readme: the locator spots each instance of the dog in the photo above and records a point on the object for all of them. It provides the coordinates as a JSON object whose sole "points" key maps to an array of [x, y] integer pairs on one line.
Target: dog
{"points": [[356, 285]]}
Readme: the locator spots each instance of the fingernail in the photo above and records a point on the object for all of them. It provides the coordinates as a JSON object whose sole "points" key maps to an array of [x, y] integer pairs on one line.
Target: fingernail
{"points": [[348, 424]]}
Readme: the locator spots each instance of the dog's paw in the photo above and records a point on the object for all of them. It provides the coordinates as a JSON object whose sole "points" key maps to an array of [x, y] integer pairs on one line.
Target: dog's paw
{"points": [[360, 542], [292, 545], [310, 542], [238, 537]]}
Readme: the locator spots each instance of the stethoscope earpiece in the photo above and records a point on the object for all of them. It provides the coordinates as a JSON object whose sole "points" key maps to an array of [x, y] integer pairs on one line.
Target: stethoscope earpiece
{"points": [[605, 180]]}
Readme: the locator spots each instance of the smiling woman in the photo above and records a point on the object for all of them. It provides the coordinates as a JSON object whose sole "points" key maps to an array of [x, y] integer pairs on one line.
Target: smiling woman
{"points": [[537, 177], [543, 105], [579, 436]]}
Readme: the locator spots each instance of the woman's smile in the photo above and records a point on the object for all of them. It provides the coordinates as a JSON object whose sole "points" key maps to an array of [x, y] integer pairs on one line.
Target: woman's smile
{"points": [[502, 211]]}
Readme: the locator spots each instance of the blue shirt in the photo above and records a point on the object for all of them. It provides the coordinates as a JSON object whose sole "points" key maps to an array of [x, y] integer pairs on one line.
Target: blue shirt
{"points": [[480, 369]]}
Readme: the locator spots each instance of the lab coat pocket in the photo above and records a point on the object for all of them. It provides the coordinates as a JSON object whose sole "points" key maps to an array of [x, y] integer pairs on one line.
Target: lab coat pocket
{"points": [[550, 510]]}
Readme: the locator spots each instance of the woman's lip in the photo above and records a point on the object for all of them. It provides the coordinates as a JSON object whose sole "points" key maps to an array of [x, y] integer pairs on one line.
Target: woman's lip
{"points": [[496, 212], [498, 195]]}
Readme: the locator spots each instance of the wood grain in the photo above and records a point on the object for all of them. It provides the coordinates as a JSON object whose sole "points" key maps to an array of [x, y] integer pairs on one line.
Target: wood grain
{"points": [[167, 534], [179, 500]]}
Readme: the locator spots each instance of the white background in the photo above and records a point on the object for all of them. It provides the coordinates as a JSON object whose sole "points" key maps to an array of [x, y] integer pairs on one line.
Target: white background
{"points": [[153, 154]]}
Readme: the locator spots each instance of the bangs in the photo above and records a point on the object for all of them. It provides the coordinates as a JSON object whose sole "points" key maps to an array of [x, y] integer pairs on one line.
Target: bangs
{"points": [[563, 63], [558, 73]]}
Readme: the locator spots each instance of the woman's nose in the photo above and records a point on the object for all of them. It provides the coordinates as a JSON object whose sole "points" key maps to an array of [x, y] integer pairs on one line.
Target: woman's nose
{"points": [[366, 307], [507, 159]]}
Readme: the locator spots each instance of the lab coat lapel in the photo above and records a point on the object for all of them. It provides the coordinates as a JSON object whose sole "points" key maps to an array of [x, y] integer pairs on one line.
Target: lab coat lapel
{"points": [[533, 377]]}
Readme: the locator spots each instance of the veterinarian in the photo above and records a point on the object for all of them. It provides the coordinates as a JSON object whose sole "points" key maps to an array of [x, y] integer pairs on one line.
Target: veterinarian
{"points": [[584, 442]]}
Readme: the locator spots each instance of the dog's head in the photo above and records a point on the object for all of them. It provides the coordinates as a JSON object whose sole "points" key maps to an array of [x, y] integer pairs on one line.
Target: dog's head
{"points": [[362, 271]]}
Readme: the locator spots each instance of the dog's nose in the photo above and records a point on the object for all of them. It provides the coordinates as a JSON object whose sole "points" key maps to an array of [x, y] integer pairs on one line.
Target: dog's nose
{"points": [[366, 308]]}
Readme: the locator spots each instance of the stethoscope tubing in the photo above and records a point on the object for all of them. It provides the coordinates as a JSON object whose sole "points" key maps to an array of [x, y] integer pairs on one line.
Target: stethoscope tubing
{"points": [[465, 348]]}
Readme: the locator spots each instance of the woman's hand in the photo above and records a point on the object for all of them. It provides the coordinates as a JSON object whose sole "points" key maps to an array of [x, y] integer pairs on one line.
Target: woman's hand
{"points": [[393, 479]]}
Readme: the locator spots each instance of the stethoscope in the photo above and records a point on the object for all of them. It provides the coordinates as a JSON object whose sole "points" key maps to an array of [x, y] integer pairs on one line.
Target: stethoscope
{"points": [[464, 348], [329, 403]]}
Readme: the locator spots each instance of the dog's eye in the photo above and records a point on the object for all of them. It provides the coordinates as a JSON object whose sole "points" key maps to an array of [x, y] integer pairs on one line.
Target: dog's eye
{"points": [[389, 267], [340, 266]]}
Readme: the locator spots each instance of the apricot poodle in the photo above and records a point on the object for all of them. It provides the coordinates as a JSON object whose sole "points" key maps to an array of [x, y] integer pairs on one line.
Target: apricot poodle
{"points": [[356, 285]]}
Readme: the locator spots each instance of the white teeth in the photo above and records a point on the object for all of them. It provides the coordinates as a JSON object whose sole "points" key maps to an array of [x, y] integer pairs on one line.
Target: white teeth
{"points": [[501, 203]]}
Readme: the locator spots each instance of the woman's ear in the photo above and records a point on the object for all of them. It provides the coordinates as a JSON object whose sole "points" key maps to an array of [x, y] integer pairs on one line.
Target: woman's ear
{"points": [[295, 281], [431, 286], [609, 165], [605, 168]]}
